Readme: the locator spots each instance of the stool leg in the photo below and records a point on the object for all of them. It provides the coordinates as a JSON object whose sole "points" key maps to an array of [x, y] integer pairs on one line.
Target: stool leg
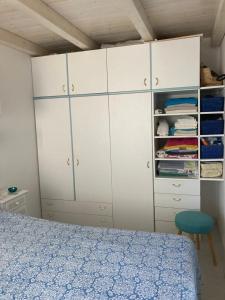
{"points": [[212, 248], [179, 232], [198, 241]]}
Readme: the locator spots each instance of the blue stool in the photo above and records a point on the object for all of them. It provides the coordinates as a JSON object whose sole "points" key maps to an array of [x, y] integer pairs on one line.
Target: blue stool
{"points": [[196, 223]]}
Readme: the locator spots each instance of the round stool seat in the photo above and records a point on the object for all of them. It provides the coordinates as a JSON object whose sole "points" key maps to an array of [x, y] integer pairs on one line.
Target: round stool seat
{"points": [[194, 222]]}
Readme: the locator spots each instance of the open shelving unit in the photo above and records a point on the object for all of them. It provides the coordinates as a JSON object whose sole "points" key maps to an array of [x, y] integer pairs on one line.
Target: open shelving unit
{"points": [[158, 99]]}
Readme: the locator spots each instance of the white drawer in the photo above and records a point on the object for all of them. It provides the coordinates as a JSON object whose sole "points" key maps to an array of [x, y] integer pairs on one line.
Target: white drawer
{"points": [[81, 219], [177, 186], [20, 210], [177, 201], [166, 213], [78, 207], [16, 202], [164, 226]]}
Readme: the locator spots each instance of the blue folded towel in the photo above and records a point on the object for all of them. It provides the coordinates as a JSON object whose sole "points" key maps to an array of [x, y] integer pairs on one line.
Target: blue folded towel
{"points": [[176, 101]]}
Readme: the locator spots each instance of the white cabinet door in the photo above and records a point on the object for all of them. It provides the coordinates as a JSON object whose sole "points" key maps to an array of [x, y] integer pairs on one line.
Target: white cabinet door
{"points": [[87, 72], [54, 148], [128, 68], [130, 123], [90, 126], [49, 75], [176, 63]]}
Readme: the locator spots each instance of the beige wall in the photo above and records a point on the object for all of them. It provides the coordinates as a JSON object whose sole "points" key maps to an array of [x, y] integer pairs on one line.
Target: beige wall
{"points": [[18, 154]]}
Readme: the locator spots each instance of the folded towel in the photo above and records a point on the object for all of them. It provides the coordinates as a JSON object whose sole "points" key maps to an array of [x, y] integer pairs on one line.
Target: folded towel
{"points": [[175, 101], [163, 128]]}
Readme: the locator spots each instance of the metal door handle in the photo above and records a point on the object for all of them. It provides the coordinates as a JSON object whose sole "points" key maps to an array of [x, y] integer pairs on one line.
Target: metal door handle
{"points": [[176, 199], [176, 184], [68, 161], [148, 164], [78, 162], [145, 82], [156, 81]]}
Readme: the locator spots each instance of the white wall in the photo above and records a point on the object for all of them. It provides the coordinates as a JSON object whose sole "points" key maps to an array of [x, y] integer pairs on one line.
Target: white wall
{"points": [[221, 187], [18, 154], [210, 56]]}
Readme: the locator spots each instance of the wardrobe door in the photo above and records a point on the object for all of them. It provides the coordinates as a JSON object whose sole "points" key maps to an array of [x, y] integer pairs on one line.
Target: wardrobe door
{"points": [[49, 75], [132, 175], [54, 148], [176, 63], [87, 72], [128, 68], [90, 127]]}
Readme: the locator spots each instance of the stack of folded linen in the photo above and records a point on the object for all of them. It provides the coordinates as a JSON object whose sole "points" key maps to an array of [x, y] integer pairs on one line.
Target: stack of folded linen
{"points": [[181, 105], [186, 126], [178, 168], [179, 148], [211, 169]]}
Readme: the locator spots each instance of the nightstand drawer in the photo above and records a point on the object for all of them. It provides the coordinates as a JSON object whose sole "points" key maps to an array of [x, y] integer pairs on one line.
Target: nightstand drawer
{"points": [[177, 201], [177, 186], [16, 202], [166, 213]]}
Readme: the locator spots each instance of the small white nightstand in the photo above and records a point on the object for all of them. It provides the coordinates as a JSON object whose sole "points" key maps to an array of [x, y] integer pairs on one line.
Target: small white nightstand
{"points": [[14, 202]]}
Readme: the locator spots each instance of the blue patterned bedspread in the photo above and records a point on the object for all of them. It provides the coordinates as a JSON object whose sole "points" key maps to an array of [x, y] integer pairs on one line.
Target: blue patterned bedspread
{"points": [[40, 259]]}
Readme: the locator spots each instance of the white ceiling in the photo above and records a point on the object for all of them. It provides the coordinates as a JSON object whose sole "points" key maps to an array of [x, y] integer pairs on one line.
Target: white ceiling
{"points": [[106, 22]]}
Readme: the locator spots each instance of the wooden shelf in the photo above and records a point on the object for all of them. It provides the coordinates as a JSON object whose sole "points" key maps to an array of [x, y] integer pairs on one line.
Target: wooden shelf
{"points": [[212, 87], [211, 135], [180, 114], [211, 159], [175, 136], [177, 159], [211, 112], [212, 179]]}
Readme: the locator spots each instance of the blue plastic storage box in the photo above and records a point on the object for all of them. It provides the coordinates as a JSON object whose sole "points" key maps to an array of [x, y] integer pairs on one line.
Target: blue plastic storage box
{"points": [[212, 151], [212, 127], [212, 103]]}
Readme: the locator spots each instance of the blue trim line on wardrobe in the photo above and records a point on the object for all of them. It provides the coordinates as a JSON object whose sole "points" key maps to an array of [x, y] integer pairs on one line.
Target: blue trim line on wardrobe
{"points": [[178, 89], [51, 97], [71, 129]]}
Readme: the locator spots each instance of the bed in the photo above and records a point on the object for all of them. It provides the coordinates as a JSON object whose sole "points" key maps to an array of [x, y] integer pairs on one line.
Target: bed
{"points": [[41, 259]]}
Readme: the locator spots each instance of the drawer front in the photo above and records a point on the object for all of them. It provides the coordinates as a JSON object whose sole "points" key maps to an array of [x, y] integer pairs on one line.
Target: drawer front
{"points": [[20, 210], [166, 213], [81, 219], [16, 202], [177, 201], [177, 186], [166, 227], [76, 207]]}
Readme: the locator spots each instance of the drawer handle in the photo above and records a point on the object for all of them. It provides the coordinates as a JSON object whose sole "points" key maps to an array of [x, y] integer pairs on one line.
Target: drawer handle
{"points": [[177, 185], [68, 161], [102, 207], [17, 203], [64, 88], [50, 204], [177, 199], [73, 88], [156, 81], [145, 82], [148, 164]]}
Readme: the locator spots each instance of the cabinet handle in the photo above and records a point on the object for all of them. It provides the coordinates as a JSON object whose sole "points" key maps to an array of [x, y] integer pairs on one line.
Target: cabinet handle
{"points": [[102, 207], [73, 88], [177, 199], [145, 82], [78, 162], [156, 81], [148, 164], [177, 185], [68, 161], [64, 88]]}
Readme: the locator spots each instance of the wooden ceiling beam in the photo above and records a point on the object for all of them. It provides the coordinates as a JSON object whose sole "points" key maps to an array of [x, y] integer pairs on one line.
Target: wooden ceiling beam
{"points": [[138, 17], [219, 25], [56, 23], [14, 41]]}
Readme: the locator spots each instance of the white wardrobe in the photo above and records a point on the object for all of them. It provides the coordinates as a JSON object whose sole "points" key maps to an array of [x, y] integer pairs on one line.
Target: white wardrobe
{"points": [[94, 119], [94, 146]]}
